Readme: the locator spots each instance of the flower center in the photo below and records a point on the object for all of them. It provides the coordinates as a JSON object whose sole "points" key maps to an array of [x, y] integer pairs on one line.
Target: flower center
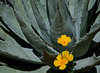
{"points": [[64, 41]]}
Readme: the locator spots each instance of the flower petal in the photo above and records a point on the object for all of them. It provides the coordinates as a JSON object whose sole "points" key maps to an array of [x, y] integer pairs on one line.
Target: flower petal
{"points": [[59, 57], [70, 57], [62, 67], [65, 54], [68, 39], [57, 63], [63, 36], [59, 40]]}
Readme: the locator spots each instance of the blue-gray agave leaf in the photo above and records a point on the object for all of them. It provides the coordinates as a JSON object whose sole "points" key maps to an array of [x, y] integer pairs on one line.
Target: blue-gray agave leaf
{"points": [[37, 43], [81, 22], [83, 45], [60, 27], [40, 22]]}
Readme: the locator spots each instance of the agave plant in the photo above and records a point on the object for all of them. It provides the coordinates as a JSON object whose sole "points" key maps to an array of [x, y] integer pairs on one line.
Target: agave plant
{"points": [[50, 36]]}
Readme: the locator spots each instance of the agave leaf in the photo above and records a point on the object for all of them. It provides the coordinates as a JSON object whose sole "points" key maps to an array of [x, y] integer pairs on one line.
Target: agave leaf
{"points": [[84, 18], [66, 17], [6, 37], [36, 42], [21, 57], [51, 9], [93, 47], [97, 36], [19, 8], [2, 24], [42, 11], [4, 69], [97, 15], [48, 59], [91, 3], [10, 32], [16, 50], [25, 13], [98, 68], [60, 27], [8, 21], [30, 15], [54, 4], [81, 22], [93, 44], [92, 15], [86, 64], [94, 9], [40, 22], [8, 15], [71, 4], [2, 64], [43, 2], [66, 14], [83, 45]]}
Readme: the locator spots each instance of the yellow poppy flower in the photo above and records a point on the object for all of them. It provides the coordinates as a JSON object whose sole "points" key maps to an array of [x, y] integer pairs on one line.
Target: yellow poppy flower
{"points": [[61, 62], [68, 56], [64, 40], [63, 59]]}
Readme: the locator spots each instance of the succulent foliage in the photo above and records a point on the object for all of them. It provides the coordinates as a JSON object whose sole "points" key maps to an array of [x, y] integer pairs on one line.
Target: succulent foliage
{"points": [[29, 30]]}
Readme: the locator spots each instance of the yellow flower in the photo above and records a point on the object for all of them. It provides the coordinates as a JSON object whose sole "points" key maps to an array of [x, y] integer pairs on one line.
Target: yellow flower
{"points": [[64, 40], [67, 56], [63, 59], [60, 62]]}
